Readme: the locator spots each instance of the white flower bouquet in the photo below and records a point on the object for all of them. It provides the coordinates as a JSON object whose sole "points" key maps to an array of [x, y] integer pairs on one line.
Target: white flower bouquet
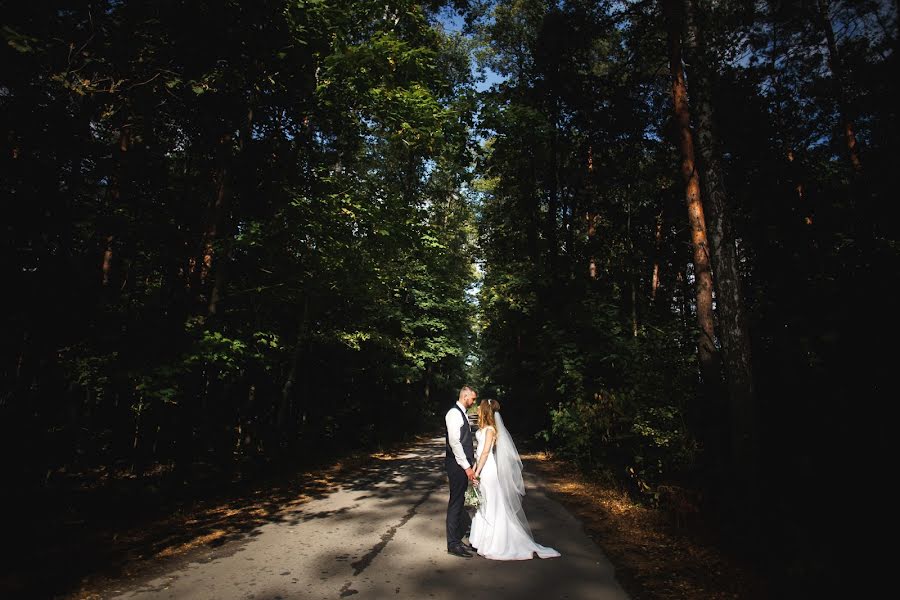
{"points": [[473, 496]]}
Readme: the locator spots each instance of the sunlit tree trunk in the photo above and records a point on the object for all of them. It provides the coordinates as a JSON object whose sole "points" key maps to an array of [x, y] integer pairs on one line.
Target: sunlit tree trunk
{"points": [[703, 283], [733, 331]]}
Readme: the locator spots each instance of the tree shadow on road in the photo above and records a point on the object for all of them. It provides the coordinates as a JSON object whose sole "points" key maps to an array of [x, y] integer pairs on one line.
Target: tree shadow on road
{"points": [[124, 536]]}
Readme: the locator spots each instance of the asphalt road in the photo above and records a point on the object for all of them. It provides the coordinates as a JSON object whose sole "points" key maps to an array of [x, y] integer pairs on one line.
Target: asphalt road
{"points": [[381, 535]]}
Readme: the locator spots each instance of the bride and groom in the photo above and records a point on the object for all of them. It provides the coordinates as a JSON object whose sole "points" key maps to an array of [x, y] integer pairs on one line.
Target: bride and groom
{"points": [[499, 530]]}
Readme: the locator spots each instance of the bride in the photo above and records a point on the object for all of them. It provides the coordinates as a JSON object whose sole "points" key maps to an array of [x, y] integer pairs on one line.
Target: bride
{"points": [[500, 530]]}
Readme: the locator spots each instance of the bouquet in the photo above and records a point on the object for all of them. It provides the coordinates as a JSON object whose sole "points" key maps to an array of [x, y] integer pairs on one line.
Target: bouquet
{"points": [[473, 496]]}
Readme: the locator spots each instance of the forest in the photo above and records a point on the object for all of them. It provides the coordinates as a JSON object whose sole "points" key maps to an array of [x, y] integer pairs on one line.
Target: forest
{"points": [[240, 235]]}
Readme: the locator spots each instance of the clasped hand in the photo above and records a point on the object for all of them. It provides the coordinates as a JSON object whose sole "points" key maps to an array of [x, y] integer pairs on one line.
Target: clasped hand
{"points": [[470, 473]]}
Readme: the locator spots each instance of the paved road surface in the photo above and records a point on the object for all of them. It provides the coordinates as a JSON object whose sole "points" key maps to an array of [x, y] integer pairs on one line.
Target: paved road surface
{"points": [[381, 535]]}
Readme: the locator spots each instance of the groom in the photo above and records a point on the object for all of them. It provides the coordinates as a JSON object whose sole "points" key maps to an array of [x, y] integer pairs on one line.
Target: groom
{"points": [[458, 462]]}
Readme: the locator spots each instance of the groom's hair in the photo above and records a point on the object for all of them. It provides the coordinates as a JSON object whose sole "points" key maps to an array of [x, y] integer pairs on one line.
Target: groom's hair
{"points": [[464, 389]]}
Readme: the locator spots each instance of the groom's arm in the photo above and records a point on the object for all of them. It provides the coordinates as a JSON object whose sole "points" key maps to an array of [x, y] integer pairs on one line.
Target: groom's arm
{"points": [[454, 423]]}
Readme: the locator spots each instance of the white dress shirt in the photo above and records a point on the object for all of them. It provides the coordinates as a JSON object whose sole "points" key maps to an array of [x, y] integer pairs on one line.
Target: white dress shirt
{"points": [[454, 421]]}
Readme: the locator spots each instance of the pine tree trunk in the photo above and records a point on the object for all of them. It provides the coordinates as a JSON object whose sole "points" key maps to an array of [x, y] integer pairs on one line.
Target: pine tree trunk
{"points": [[632, 278], [591, 219], [657, 256], [703, 283], [222, 213], [216, 229], [685, 290], [550, 225], [117, 183], [733, 330], [216, 212], [286, 405], [106, 266]]}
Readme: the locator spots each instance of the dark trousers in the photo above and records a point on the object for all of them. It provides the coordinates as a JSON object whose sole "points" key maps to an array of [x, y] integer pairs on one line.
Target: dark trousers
{"points": [[458, 520]]}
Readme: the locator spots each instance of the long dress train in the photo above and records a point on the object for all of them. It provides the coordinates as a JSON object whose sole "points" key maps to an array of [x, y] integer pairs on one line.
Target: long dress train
{"points": [[499, 528]]}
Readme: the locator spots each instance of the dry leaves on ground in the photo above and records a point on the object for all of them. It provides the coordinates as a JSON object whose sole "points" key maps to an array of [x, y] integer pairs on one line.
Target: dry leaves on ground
{"points": [[656, 558]]}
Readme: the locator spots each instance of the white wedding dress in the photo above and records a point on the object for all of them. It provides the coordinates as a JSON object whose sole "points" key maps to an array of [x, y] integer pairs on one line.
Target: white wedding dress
{"points": [[500, 530]]}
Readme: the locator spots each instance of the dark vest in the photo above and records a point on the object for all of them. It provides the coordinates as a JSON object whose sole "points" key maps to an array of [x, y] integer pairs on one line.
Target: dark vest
{"points": [[465, 437]]}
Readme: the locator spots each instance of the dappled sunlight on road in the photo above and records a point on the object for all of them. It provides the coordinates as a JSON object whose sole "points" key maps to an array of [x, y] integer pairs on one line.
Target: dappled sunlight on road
{"points": [[378, 532]]}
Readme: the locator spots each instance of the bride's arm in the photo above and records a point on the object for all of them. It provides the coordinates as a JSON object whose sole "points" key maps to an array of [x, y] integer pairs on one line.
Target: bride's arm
{"points": [[488, 442]]}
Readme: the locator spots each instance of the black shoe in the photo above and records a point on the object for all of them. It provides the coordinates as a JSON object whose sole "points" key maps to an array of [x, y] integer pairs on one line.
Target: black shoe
{"points": [[459, 550], [470, 548]]}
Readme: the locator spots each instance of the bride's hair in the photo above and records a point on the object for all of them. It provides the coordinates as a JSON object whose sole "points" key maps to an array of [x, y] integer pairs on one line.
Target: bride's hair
{"points": [[486, 413], [495, 406]]}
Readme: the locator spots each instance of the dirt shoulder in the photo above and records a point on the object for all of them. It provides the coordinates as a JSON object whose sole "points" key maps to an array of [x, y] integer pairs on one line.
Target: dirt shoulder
{"points": [[658, 554]]}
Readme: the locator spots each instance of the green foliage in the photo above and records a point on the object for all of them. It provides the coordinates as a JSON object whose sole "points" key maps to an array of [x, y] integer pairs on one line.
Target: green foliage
{"points": [[570, 199], [278, 207], [639, 432]]}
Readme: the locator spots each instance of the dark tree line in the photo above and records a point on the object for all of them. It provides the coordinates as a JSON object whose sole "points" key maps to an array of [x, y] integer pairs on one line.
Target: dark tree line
{"points": [[233, 232], [688, 228]]}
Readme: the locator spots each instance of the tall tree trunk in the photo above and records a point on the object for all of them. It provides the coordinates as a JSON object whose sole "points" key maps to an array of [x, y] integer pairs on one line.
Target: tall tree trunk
{"points": [[593, 269], [106, 266], [657, 256], [733, 331], [428, 376], [117, 184], [685, 290], [286, 405], [222, 212], [703, 283], [217, 210], [632, 276], [837, 72], [569, 227], [589, 216], [217, 229], [550, 225], [532, 212], [863, 215]]}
